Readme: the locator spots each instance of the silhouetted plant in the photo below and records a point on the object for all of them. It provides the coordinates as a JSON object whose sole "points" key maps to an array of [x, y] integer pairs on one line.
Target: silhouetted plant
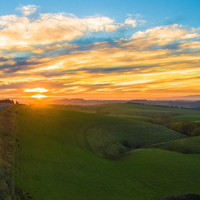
{"points": [[7, 101]]}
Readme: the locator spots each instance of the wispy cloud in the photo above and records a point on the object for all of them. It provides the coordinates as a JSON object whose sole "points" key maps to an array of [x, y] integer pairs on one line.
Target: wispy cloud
{"points": [[134, 22], [165, 34], [28, 10], [41, 90]]}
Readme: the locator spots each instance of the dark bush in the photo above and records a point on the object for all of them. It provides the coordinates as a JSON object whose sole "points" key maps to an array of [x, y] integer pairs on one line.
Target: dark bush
{"points": [[196, 132], [187, 128]]}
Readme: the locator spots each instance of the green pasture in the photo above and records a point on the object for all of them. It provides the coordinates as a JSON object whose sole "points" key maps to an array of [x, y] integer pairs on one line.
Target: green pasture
{"points": [[63, 155], [137, 111], [187, 117]]}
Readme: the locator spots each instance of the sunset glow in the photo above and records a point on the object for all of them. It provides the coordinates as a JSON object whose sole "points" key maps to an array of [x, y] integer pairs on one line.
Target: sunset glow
{"points": [[39, 96], [36, 90], [132, 55]]}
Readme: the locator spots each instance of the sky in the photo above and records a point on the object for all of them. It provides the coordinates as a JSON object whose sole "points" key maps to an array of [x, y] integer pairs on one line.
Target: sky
{"points": [[99, 49]]}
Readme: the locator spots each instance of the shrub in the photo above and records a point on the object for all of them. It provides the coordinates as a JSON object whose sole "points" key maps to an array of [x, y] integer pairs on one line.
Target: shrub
{"points": [[187, 128]]}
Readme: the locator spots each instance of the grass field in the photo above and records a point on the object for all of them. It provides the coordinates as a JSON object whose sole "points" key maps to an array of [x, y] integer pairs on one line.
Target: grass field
{"points": [[136, 111], [187, 117], [61, 155]]}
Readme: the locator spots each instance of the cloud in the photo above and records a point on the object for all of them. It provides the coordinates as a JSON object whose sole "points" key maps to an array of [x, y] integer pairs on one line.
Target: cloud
{"points": [[3, 59], [41, 90], [17, 64], [109, 28], [97, 23], [190, 45], [165, 34], [49, 28], [134, 22], [28, 10]]}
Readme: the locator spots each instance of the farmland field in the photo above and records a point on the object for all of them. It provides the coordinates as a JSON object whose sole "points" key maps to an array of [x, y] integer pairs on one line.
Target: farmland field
{"points": [[64, 154]]}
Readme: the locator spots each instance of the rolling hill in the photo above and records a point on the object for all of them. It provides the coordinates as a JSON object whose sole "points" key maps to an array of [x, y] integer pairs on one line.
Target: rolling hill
{"points": [[64, 154]]}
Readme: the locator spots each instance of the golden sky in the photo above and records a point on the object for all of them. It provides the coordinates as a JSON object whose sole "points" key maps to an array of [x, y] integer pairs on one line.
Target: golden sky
{"points": [[58, 55]]}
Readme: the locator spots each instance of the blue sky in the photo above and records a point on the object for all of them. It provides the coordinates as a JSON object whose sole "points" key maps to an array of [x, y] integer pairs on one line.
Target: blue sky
{"points": [[99, 49], [154, 12]]}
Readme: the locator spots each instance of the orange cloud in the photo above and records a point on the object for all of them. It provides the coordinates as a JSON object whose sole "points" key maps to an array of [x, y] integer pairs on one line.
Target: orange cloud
{"points": [[41, 90]]}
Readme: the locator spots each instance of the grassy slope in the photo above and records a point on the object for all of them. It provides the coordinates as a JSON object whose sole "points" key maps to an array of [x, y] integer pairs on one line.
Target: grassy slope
{"points": [[54, 162], [140, 112], [187, 117], [185, 145], [7, 141], [108, 138]]}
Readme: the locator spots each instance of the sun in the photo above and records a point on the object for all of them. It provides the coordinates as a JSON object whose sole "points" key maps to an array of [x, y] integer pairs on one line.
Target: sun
{"points": [[36, 92], [39, 96]]}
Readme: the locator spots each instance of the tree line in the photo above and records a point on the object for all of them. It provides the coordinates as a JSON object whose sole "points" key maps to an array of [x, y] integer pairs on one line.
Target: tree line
{"points": [[9, 101]]}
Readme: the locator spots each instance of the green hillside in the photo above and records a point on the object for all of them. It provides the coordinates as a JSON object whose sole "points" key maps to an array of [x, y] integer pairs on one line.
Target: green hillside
{"points": [[60, 156], [187, 117], [187, 145], [140, 112], [110, 138]]}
